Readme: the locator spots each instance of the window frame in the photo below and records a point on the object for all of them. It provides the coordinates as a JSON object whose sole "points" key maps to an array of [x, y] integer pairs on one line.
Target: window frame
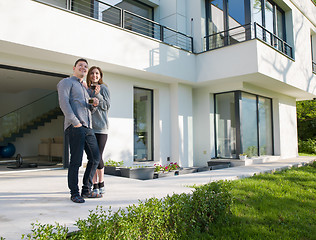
{"points": [[238, 112], [152, 124]]}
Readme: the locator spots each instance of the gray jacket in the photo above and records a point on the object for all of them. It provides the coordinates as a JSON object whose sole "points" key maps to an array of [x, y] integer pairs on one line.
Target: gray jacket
{"points": [[73, 101], [100, 122]]}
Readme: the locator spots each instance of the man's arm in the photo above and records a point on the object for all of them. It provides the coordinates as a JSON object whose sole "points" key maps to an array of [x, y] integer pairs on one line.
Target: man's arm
{"points": [[64, 89]]}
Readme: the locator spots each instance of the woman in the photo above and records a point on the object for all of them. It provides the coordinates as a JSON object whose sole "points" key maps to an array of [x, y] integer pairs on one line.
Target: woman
{"points": [[100, 122]]}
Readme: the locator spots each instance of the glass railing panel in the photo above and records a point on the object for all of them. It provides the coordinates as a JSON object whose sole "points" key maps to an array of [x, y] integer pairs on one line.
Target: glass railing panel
{"points": [[19, 119]]}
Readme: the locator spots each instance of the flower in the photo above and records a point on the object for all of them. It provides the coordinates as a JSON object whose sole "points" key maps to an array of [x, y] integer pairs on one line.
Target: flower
{"points": [[167, 167]]}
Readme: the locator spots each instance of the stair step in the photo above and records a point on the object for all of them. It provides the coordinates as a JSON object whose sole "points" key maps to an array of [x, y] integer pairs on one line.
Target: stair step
{"points": [[213, 165], [34, 124]]}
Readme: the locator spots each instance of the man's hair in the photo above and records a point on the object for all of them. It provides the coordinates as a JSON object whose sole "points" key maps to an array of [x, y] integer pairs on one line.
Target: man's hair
{"points": [[81, 60]]}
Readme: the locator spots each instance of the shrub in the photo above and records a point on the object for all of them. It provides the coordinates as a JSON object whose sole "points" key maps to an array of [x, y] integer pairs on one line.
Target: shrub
{"points": [[47, 231], [172, 217], [308, 146], [113, 163]]}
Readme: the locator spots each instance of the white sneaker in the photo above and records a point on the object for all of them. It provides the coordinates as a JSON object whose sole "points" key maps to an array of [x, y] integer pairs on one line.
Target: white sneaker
{"points": [[101, 190], [96, 191]]}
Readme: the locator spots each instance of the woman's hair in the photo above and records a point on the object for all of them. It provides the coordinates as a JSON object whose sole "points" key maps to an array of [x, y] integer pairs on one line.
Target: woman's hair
{"points": [[89, 73]]}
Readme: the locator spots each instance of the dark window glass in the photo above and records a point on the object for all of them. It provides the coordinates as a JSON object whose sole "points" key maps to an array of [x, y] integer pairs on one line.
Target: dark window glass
{"points": [[143, 124], [225, 125]]}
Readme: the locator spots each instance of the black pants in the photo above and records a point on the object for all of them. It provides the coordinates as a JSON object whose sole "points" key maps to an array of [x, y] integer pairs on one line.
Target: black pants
{"points": [[101, 138], [82, 139]]}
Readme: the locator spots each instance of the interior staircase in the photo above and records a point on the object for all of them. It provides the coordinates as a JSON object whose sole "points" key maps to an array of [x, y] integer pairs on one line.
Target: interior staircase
{"points": [[34, 124], [21, 121]]}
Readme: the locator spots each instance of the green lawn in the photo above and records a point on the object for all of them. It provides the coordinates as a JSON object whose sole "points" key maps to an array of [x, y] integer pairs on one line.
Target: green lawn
{"points": [[272, 206], [267, 206], [307, 154]]}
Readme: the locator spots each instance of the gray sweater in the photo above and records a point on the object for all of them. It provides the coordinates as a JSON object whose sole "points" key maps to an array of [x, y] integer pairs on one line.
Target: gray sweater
{"points": [[100, 122], [73, 101]]}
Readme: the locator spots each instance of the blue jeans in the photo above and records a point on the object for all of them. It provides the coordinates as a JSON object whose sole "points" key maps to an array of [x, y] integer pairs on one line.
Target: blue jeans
{"points": [[82, 139]]}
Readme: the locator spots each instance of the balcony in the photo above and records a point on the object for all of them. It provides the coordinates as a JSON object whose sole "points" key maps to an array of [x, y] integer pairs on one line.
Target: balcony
{"points": [[314, 67], [245, 33], [127, 20]]}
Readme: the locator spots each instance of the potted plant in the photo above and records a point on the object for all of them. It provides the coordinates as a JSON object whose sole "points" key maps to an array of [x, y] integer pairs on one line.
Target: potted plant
{"points": [[110, 167], [170, 169], [139, 172], [243, 156]]}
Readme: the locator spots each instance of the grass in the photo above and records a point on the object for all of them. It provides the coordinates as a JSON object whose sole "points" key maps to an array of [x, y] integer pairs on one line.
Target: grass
{"points": [[281, 205], [307, 154], [272, 206]]}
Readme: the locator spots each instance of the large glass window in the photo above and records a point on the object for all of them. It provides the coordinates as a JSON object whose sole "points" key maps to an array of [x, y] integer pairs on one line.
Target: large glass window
{"points": [[236, 13], [131, 21], [143, 124], [249, 132], [243, 125], [265, 126], [225, 125], [225, 22], [215, 23], [272, 18], [257, 11]]}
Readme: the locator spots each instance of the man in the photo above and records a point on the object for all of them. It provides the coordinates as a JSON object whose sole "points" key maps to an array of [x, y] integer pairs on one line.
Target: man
{"points": [[74, 102]]}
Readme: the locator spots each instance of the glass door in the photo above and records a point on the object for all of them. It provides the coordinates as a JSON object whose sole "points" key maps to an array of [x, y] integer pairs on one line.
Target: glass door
{"points": [[265, 126], [225, 125], [249, 132], [143, 124]]}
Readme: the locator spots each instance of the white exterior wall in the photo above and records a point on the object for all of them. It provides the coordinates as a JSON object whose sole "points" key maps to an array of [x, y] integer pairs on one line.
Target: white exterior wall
{"points": [[184, 84], [288, 128]]}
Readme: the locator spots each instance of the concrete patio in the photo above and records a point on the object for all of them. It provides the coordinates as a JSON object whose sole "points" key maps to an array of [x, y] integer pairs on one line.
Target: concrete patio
{"points": [[42, 195]]}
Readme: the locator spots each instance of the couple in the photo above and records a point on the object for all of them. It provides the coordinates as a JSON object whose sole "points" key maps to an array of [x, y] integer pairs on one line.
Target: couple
{"points": [[86, 126]]}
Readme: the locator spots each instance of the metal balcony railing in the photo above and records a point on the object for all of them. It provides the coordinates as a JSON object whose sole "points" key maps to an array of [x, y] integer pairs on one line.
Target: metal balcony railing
{"points": [[127, 20], [244, 33], [263, 34], [226, 38], [314, 67]]}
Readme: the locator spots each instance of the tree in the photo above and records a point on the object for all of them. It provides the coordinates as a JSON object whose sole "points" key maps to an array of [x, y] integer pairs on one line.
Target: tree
{"points": [[306, 119]]}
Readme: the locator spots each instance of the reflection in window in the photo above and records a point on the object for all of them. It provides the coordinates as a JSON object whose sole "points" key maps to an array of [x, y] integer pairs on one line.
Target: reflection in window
{"points": [[143, 124], [248, 121], [236, 13], [225, 22], [131, 22], [215, 23], [244, 126], [265, 126], [269, 21], [225, 125], [257, 11]]}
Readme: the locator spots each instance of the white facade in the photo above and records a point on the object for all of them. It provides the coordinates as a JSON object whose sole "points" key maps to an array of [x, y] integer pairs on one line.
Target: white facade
{"points": [[47, 38]]}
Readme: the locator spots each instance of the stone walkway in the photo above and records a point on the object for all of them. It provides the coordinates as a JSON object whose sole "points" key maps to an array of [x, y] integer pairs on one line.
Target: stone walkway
{"points": [[43, 195]]}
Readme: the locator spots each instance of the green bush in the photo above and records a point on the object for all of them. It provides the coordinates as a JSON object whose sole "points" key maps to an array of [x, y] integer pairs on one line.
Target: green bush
{"points": [[172, 217], [46, 231], [307, 146]]}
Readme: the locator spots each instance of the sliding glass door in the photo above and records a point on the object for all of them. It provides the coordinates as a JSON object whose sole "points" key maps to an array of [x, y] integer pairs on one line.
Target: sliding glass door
{"points": [[226, 125], [243, 124]]}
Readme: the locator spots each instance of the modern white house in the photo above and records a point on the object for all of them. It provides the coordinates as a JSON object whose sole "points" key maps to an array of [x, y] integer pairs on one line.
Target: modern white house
{"points": [[190, 80]]}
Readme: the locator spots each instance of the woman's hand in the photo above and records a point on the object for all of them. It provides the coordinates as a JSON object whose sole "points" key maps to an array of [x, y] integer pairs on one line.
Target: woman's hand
{"points": [[95, 102], [97, 89]]}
